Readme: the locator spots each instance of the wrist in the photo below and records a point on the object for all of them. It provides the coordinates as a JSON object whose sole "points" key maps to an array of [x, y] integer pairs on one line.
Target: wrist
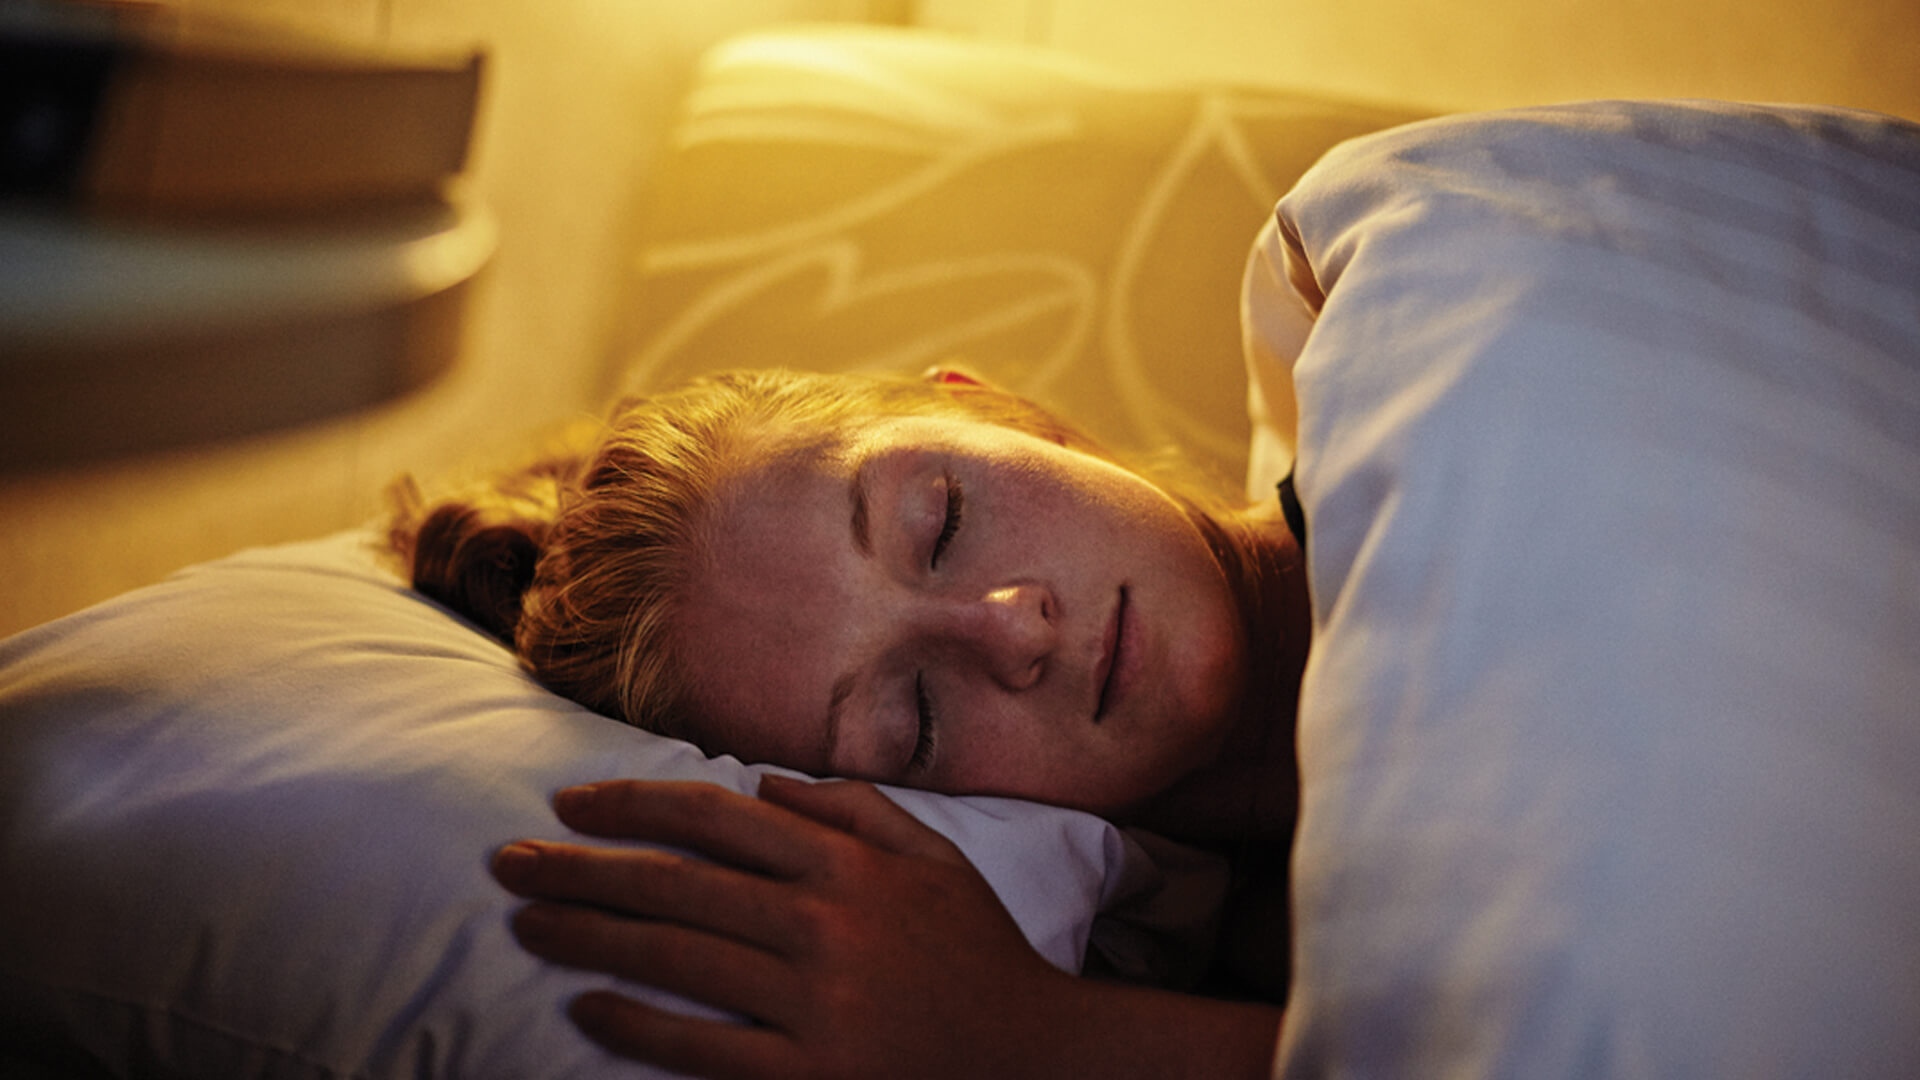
{"points": [[1114, 1030]]}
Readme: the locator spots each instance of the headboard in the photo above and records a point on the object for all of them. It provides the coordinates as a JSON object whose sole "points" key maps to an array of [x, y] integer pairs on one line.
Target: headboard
{"points": [[862, 198]]}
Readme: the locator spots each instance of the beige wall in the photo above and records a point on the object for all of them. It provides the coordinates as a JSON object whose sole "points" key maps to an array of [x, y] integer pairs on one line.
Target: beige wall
{"points": [[578, 95], [1457, 54], [580, 90]]}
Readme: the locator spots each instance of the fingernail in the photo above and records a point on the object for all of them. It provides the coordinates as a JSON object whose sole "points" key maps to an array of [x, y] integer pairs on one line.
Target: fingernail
{"points": [[515, 862]]}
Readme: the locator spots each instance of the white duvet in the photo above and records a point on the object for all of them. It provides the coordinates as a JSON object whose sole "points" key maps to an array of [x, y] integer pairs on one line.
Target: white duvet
{"points": [[1609, 446]]}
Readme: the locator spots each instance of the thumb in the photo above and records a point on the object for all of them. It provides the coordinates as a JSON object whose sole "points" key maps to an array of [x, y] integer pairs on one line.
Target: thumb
{"points": [[858, 808]]}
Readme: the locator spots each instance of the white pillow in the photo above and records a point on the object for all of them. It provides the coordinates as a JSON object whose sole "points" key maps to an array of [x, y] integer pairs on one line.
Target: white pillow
{"points": [[246, 816], [1609, 448]]}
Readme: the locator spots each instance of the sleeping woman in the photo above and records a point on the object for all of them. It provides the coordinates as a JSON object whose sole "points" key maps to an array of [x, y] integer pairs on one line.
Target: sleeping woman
{"points": [[922, 582], [1610, 736]]}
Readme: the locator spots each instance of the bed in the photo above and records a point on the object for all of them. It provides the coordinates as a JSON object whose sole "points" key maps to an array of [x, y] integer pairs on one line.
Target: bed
{"points": [[1606, 423]]}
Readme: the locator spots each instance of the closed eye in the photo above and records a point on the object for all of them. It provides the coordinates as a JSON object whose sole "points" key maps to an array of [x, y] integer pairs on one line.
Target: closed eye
{"points": [[956, 507], [923, 742]]}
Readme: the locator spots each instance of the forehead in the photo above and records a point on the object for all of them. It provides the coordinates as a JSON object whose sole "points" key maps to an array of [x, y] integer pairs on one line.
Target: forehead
{"points": [[779, 508], [754, 628]]}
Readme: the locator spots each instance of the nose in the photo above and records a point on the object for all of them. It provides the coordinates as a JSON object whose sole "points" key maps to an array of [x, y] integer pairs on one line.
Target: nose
{"points": [[1012, 629]]}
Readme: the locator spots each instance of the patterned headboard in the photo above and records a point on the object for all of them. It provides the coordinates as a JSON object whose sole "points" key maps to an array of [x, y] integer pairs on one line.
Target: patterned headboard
{"points": [[840, 199]]}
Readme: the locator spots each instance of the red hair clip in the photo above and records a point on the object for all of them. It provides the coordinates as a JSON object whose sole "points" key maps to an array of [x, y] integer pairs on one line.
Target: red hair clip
{"points": [[950, 376]]}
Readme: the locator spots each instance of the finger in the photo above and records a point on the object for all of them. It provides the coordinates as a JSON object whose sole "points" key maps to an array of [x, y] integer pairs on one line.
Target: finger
{"points": [[683, 1044], [702, 967], [650, 884], [859, 808], [712, 820]]}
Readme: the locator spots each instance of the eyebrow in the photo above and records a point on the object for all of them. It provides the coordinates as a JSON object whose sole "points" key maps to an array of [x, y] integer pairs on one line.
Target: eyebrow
{"points": [[842, 689], [860, 513]]}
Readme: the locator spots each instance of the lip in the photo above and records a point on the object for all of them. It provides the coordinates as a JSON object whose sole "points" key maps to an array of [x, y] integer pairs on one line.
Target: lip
{"points": [[1112, 672]]}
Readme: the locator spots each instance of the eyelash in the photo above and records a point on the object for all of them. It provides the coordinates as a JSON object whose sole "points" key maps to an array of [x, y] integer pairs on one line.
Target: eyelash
{"points": [[923, 743], [956, 507]]}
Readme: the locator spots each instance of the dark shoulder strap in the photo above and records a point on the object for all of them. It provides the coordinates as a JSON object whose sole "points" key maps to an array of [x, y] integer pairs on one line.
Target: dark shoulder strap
{"points": [[1290, 506]]}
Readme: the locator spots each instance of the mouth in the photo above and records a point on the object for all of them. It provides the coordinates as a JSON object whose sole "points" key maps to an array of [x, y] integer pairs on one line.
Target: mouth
{"points": [[1105, 672]]}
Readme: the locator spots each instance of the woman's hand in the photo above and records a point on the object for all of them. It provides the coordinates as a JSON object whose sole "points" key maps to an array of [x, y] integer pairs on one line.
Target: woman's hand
{"points": [[860, 942]]}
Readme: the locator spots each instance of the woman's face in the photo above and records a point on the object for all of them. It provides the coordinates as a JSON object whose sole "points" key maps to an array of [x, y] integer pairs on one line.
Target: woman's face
{"points": [[951, 605]]}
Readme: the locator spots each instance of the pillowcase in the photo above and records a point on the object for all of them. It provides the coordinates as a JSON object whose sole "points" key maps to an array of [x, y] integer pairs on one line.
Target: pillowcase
{"points": [[246, 816], [1609, 448]]}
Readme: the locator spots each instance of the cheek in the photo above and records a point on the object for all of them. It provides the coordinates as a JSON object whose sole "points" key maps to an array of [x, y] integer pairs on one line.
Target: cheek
{"points": [[1000, 749], [1212, 671], [1029, 758]]}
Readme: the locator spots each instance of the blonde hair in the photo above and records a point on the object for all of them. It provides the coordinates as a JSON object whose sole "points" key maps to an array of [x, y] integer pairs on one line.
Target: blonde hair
{"points": [[580, 560]]}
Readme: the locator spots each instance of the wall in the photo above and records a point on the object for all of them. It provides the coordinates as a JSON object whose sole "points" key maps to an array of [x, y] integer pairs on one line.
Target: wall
{"points": [[579, 92], [1451, 55]]}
